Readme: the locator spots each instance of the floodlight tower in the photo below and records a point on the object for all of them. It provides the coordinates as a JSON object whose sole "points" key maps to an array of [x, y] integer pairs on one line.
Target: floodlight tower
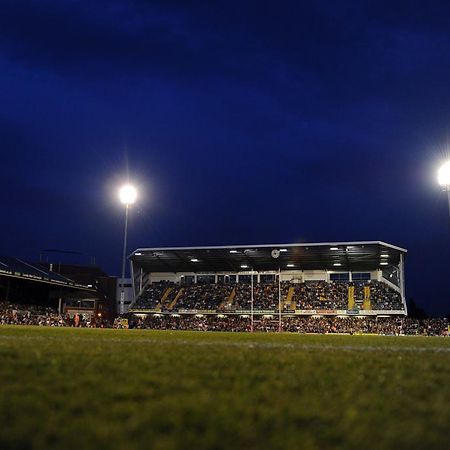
{"points": [[444, 179], [127, 196]]}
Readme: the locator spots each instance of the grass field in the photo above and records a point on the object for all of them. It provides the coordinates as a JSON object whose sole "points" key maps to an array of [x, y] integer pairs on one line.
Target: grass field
{"points": [[83, 388]]}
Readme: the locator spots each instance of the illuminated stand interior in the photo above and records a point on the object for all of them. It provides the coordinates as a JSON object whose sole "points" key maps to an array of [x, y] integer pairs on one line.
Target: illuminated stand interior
{"points": [[294, 263]]}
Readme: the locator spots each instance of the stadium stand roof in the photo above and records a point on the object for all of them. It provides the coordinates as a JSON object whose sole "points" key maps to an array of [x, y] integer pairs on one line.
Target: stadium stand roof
{"points": [[338, 256], [17, 268]]}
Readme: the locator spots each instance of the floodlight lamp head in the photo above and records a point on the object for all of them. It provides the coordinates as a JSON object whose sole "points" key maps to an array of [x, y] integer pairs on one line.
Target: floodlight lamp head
{"points": [[127, 194], [444, 175]]}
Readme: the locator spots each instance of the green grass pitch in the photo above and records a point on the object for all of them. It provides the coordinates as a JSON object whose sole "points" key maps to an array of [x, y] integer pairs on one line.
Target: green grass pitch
{"points": [[83, 388]]}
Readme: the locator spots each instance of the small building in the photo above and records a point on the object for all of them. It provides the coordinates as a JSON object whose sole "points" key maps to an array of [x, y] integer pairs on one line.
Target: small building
{"points": [[127, 286]]}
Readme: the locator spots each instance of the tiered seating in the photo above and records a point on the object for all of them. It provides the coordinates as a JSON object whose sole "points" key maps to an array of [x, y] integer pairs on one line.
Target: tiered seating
{"points": [[207, 296], [341, 295], [321, 295], [314, 295], [152, 295], [265, 295], [383, 297]]}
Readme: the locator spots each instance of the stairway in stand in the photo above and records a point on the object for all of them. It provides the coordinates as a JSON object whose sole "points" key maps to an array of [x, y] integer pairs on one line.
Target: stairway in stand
{"points": [[229, 300], [351, 298], [366, 302], [290, 301], [164, 298], [174, 301]]}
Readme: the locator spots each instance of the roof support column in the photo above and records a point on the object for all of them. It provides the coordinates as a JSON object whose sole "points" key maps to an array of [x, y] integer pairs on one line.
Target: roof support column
{"points": [[133, 284], [140, 280], [401, 268], [251, 299]]}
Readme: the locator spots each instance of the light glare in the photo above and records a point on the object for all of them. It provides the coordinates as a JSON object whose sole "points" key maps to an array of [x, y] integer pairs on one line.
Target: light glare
{"points": [[127, 194], [444, 175]]}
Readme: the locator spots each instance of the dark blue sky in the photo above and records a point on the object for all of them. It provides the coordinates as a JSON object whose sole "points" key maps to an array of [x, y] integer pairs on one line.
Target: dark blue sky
{"points": [[242, 122]]}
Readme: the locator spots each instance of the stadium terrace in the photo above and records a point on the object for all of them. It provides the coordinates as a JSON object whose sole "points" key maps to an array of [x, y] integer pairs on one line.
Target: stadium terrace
{"points": [[311, 279]]}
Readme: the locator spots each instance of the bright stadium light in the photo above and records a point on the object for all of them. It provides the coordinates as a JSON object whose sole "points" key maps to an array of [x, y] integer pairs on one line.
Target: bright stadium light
{"points": [[127, 196], [444, 175]]}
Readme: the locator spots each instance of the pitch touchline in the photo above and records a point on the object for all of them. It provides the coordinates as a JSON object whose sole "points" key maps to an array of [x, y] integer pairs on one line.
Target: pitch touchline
{"points": [[250, 345]]}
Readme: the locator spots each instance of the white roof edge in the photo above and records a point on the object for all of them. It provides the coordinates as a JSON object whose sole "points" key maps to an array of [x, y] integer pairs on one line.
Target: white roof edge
{"points": [[303, 244], [395, 247]]}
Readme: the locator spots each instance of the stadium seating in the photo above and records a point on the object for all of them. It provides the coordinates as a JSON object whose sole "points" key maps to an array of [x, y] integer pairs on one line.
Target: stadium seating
{"points": [[321, 295], [152, 296], [265, 296], [314, 295], [383, 297], [203, 297]]}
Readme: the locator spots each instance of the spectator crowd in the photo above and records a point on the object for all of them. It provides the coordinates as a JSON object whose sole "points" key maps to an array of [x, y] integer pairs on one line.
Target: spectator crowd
{"points": [[16, 314], [265, 295], [152, 295], [207, 296], [322, 325], [332, 295]]}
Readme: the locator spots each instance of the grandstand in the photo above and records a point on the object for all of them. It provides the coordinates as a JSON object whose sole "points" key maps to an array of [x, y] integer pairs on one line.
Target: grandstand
{"points": [[307, 279], [39, 287]]}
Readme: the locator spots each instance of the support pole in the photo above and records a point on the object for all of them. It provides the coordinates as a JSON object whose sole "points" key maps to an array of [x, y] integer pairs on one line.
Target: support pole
{"points": [[279, 300], [251, 314], [402, 281], [124, 256]]}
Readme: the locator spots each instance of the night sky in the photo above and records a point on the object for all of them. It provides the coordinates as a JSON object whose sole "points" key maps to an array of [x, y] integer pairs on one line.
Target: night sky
{"points": [[241, 123]]}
